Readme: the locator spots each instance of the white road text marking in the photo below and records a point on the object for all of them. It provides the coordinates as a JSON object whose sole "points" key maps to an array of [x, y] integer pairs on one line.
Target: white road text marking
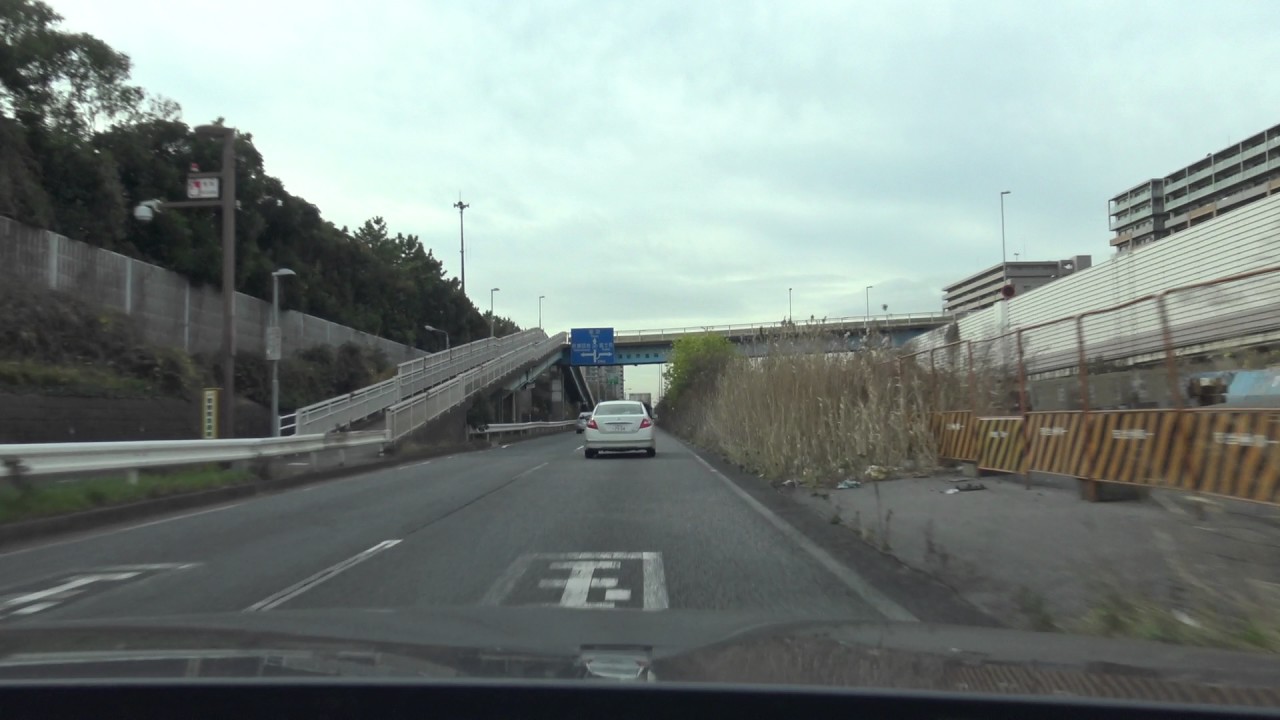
{"points": [[576, 574]]}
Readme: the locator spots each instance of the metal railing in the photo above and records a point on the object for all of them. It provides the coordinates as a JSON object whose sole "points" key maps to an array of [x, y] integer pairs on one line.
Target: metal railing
{"points": [[497, 428], [859, 321], [63, 458], [412, 377], [408, 415]]}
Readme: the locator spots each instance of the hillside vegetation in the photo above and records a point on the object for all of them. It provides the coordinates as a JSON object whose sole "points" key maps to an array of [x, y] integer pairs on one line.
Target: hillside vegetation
{"points": [[54, 344], [80, 145]]}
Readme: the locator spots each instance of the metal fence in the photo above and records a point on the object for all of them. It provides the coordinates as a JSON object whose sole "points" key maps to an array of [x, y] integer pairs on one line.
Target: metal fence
{"points": [[1177, 389], [412, 378], [856, 323], [409, 415]]}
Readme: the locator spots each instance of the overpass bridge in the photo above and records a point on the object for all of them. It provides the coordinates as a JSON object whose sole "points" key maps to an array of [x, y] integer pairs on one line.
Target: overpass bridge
{"points": [[844, 334]]}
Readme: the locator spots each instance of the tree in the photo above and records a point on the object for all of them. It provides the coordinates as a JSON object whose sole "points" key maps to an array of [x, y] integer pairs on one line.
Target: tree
{"points": [[80, 146], [695, 363]]}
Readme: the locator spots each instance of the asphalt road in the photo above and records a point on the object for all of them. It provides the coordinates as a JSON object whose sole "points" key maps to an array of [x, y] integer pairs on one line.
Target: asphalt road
{"points": [[529, 524]]}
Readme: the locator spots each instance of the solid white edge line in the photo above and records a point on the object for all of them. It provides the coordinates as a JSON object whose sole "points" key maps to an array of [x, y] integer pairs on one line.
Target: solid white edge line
{"points": [[328, 573], [855, 582], [655, 582]]}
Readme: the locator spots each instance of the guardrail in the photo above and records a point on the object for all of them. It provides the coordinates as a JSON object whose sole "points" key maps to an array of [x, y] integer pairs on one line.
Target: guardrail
{"points": [[882, 321], [412, 377], [62, 458], [496, 428], [408, 415]]}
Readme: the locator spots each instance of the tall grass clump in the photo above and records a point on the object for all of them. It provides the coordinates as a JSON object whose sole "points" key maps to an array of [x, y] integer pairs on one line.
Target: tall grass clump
{"points": [[786, 408]]}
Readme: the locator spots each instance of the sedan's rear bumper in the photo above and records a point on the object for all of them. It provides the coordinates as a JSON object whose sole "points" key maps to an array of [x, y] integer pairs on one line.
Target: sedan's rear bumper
{"points": [[631, 441]]}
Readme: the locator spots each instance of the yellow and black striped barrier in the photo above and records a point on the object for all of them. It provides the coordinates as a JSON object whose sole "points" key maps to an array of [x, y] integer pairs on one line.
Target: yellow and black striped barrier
{"points": [[957, 436], [1233, 452], [1057, 443], [1003, 445], [1136, 446]]}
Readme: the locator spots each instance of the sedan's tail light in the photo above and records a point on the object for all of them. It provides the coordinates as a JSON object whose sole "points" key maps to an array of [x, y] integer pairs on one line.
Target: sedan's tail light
{"points": [[645, 423], [592, 424]]}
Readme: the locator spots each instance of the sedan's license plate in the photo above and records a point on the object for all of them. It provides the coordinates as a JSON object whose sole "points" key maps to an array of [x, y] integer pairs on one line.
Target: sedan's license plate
{"points": [[618, 427]]}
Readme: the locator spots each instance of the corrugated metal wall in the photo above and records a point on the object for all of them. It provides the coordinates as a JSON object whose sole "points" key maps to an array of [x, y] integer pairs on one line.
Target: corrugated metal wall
{"points": [[1243, 240]]}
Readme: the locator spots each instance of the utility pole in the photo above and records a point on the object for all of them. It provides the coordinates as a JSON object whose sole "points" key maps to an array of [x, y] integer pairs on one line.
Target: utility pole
{"points": [[221, 195], [462, 241]]}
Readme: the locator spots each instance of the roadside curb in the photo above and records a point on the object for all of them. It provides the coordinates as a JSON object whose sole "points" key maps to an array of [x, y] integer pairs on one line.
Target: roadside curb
{"points": [[40, 528]]}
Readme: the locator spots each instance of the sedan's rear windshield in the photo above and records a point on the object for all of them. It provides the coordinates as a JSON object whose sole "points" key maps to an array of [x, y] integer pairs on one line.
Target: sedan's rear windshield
{"points": [[620, 409]]}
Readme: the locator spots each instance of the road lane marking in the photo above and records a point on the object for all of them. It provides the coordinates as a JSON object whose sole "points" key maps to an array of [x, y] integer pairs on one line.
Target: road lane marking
{"points": [[531, 470], [328, 573], [506, 583], [579, 448], [577, 574], [855, 582], [655, 582], [33, 609]]}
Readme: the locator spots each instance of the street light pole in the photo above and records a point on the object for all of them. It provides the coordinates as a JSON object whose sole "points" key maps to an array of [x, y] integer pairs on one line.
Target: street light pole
{"points": [[492, 318], [789, 315], [540, 299], [462, 242], [273, 354], [1004, 258], [447, 345], [868, 315]]}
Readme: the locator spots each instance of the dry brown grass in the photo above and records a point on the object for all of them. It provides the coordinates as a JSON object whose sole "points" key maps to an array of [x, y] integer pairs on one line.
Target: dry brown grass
{"points": [[818, 417]]}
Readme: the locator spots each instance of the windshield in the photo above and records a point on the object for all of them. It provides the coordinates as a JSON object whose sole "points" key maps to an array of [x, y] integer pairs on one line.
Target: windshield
{"points": [[890, 315], [619, 409]]}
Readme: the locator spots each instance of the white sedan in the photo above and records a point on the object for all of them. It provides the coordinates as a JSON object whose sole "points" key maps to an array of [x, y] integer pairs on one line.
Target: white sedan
{"points": [[619, 426]]}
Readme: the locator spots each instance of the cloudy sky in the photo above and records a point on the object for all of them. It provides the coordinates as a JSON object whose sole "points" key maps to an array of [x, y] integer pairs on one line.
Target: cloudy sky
{"points": [[658, 164]]}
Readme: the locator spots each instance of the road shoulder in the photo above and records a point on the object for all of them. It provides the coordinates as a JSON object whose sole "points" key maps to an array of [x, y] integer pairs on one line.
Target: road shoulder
{"points": [[919, 594]]}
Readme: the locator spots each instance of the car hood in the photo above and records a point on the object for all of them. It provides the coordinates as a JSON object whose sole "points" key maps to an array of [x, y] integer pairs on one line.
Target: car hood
{"points": [[664, 647]]}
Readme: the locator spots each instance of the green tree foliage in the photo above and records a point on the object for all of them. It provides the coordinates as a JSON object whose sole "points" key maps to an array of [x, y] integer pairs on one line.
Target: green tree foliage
{"points": [[694, 365], [80, 146]]}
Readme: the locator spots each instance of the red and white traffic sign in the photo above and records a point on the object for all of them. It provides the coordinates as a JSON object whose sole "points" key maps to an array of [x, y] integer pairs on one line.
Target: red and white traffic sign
{"points": [[202, 188]]}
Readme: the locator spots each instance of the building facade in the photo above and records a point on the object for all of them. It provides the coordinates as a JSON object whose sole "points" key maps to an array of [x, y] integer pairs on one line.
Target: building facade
{"points": [[982, 290], [1219, 182]]}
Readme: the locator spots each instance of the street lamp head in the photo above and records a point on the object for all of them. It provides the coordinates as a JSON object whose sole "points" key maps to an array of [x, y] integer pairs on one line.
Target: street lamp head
{"points": [[495, 289], [284, 272], [147, 209], [1005, 192]]}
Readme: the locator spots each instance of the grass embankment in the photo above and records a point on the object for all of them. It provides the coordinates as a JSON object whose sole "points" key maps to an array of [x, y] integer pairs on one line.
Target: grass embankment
{"points": [[46, 498]]}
